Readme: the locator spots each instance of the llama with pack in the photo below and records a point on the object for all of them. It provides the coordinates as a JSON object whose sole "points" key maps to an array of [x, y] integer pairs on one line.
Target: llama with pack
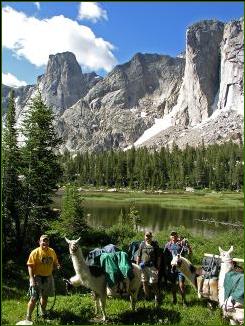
{"points": [[227, 290]]}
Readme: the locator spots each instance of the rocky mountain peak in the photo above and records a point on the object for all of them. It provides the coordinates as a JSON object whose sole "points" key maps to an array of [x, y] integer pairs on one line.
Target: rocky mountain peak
{"points": [[63, 83], [195, 97], [61, 63], [202, 72]]}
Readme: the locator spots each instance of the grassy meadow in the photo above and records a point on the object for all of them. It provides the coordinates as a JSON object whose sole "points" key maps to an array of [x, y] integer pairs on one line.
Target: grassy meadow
{"points": [[77, 308], [200, 199]]}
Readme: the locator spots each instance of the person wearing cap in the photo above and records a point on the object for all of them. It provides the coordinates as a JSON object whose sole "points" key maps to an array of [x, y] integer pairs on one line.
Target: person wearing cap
{"points": [[41, 263], [177, 245], [149, 261]]}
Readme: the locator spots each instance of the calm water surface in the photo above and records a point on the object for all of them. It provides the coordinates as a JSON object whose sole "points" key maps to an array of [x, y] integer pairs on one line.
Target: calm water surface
{"points": [[156, 218]]}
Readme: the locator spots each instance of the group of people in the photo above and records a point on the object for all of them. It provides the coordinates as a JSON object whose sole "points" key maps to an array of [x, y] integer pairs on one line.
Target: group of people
{"points": [[43, 261], [151, 260]]}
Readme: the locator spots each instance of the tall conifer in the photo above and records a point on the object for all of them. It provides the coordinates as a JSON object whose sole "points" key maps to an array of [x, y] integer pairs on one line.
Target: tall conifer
{"points": [[41, 168], [11, 194]]}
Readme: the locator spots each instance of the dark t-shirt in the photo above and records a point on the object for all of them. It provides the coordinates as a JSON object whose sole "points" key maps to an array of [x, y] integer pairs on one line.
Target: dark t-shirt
{"points": [[149, 253]]}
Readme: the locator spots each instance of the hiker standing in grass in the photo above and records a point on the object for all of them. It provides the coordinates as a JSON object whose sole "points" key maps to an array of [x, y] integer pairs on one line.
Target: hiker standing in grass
{"points": [[149, 261], [41, 263], [177, 245]]}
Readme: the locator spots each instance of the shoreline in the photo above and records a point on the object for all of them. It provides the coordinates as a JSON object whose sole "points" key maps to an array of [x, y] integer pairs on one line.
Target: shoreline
{"points": [[199, 199]]}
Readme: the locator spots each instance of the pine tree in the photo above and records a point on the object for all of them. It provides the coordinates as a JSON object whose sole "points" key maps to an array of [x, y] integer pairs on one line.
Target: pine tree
{"points": [[131, 166], [72, 222], [201, 172], [41, 168], [134, 218], [11, 192], [121, 217]]}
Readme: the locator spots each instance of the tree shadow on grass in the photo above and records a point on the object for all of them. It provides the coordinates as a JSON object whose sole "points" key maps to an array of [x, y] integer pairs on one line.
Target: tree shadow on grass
{"points": [[204, 302], [147, 316], [66, 317]]}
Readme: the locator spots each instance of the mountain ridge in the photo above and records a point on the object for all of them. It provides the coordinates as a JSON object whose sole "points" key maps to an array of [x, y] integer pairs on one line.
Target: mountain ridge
{"points": [[95, 114]]}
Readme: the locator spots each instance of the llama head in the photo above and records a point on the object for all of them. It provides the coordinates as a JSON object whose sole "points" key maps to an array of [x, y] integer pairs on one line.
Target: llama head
{"points": [[176, 261], [225, 255], [73, 245]]}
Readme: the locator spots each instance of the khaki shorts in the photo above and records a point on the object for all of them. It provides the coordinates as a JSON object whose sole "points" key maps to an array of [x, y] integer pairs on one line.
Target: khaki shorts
{"points": [[149, 274], [45, 286]]}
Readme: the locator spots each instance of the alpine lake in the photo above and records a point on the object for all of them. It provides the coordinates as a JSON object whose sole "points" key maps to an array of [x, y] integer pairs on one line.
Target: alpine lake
{"points": [[204, 214]]}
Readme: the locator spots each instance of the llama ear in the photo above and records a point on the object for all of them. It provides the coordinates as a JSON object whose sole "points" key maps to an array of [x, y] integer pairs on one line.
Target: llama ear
{"points": [[67, 240], [220, 250], [76, 241], [231, 249]]}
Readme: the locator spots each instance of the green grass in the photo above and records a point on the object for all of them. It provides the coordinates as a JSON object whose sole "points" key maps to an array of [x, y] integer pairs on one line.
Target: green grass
{"points": [[79, 310], [176, 199]]}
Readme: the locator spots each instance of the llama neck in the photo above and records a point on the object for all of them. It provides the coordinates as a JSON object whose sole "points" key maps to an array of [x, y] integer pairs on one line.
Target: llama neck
{"points": [[80, 266], [189, 271], [225, 268]]}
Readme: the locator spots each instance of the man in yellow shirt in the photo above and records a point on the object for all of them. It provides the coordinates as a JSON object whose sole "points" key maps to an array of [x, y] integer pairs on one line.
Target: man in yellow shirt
{"points": [[41, 263]]}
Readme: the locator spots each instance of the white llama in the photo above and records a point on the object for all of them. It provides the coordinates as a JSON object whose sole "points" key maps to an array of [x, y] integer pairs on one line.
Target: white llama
{"points": [[193, 274], [98, 284], [226, 266], [235, 312], [216, 290]]}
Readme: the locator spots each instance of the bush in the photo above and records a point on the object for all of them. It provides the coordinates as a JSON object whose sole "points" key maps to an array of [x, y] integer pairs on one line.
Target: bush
{"points": [[121, 235]]}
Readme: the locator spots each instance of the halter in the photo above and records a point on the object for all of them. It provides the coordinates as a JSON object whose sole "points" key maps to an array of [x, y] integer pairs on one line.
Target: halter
{"points": [[179, 262], [181, 251], [75, 247]]}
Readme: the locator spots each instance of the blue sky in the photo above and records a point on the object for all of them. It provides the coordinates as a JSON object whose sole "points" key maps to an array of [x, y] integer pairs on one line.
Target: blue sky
{"points": [[101, 34]]}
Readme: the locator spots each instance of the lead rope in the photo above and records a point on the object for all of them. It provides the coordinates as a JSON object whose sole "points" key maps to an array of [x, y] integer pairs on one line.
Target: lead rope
{"points": [[38, 303], [30, 294]]}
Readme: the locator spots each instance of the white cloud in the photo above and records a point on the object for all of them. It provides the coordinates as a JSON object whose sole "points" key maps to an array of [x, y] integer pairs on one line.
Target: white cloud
{"points": [[37, 4], [91, 11], [36, 39], [12, 81]]}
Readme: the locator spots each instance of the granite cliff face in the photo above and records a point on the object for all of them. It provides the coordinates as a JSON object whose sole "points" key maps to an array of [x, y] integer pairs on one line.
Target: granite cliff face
{"points": [[201, 79], [147, 82], [210, 106], [119, 108], [63, 84], [201, 92], [232, 64]]}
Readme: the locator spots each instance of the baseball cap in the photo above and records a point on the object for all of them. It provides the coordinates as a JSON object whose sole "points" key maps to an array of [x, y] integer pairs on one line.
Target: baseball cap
{"points": [[44, 236], [173, 233]]}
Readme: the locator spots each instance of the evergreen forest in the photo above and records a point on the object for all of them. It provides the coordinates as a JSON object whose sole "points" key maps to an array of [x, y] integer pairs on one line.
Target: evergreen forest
{"points": [[217, 167]]}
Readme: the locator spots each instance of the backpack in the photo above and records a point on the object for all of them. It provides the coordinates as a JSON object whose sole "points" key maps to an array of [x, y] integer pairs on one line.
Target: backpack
{"points": [[211, 267], [156, 250], [133, 250]]}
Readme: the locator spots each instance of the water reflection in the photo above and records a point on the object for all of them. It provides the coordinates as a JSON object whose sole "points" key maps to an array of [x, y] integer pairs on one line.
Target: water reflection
{"points": [[156, 218]]}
